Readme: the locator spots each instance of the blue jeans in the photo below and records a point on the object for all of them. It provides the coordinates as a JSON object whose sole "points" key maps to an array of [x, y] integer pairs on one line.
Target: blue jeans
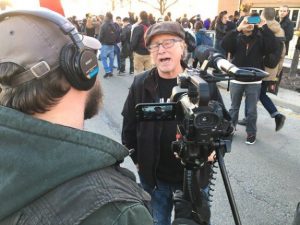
{"points": [[252, 93], [161, 200], [266, 101], [107, 51]]}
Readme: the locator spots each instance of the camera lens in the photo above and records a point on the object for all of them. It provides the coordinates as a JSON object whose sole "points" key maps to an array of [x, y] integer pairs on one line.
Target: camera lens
{"points": [[206, 120]]}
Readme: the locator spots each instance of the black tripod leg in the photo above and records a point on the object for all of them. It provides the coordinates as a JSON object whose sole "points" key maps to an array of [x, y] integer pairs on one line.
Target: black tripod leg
{"points": [[229, 192]]}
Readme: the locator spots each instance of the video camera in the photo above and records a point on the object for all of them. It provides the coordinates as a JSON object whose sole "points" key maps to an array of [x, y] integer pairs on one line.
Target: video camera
{"points": [[203, 124]]}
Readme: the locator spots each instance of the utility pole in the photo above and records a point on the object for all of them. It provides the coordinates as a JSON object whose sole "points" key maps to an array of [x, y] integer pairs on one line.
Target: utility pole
{"points": [[295, 60]]}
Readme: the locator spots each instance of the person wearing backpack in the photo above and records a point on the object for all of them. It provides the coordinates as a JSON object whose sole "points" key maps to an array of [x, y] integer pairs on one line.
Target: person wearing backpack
{"points": [[273, 65], [248, 45], [202, 39], [108, 38], [141, 55]]}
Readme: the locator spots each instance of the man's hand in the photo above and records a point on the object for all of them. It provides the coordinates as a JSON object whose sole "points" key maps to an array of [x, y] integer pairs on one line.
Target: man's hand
{"points": [[245, 26], [262, 22], [184, 214]]}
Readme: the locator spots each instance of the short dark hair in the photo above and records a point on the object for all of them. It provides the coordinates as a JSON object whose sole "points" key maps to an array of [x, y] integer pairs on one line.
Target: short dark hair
{"points": [[125, 19], [236, 13], [269, 13], [109, 15], [144, 15], [198, 25], [36, 96]]}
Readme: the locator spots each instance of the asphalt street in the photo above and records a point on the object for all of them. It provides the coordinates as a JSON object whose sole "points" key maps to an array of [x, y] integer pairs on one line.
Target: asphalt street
{"points": [[265, 177]]}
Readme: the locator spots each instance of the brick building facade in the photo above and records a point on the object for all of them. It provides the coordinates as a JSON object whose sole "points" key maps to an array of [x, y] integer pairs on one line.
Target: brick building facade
{"points": [[258, 5]]}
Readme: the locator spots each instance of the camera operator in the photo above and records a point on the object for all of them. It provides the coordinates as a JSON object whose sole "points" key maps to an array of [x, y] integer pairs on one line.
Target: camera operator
{"points": [[160, 172], [248, 45], [52, 171]]}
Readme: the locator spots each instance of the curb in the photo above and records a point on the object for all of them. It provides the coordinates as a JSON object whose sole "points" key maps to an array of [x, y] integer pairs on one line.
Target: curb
{"points": [[285, 98]]}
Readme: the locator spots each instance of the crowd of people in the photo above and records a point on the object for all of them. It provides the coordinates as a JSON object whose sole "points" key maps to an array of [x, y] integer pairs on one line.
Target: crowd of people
{"points": [[49, 86], [246, 45]]}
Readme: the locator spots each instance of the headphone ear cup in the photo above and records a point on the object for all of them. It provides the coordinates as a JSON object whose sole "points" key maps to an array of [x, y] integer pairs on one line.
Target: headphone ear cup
{"points": [[65, 59], [70, 59]]}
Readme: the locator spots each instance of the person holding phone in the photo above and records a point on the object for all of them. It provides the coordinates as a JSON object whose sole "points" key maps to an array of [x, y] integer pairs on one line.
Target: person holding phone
{"points": [[248, 45]]}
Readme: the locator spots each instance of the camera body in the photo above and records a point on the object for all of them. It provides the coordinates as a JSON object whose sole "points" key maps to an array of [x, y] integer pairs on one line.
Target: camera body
{"points": [[200, 120], [199, 117]]}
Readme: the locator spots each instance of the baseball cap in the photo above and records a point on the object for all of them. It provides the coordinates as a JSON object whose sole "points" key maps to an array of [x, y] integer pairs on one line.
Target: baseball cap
{"points": [[166, 27], [35, 44]]}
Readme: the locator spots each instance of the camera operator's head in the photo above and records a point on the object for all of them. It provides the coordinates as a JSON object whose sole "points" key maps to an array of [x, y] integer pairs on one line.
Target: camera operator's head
{"points": [[166, 44], [42, 73]]}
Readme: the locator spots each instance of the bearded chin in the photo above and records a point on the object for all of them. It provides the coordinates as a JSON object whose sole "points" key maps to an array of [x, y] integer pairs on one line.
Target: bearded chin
{"points": [[94, 101]]}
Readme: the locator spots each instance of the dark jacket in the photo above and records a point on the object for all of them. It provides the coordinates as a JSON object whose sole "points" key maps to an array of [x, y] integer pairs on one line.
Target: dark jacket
{"points": [[249, 51], [125, 39], [137, 39], [144, 137], [51, 174], [221, 30], [108, 33], [288, 27]]}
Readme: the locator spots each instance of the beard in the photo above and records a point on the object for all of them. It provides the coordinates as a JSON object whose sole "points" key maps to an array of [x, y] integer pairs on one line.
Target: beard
{"points": [[94, 101]]}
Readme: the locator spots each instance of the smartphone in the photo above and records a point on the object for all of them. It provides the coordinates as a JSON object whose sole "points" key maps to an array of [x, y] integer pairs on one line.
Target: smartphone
{"points": [[253, 19], [155, 111]]}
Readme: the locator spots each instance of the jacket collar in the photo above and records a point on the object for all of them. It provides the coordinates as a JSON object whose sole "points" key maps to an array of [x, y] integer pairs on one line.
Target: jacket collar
{"points": [[36, 156]]}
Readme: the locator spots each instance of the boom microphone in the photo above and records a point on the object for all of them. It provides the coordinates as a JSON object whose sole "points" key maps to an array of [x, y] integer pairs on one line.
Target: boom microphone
{"points": [[243, 73], [217, 61]]}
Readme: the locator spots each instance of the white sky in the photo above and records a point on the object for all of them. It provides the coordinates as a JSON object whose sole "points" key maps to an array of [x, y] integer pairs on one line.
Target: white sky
{"points": [[81, 7]]}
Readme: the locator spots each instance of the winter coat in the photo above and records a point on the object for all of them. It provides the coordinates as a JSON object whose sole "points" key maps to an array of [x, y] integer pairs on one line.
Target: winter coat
{"points": [[125, 39], [288, 27], [52, 174], [274, 61], [249, 51], [108, 33], [137, 39]]}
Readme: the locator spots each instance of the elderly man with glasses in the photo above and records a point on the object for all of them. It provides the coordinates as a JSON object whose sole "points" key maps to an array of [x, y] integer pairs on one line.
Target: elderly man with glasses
{"points": [[160, 172]]}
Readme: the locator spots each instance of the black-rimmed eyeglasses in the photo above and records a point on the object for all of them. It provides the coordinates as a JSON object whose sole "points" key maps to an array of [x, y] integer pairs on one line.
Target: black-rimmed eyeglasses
{"points": [[168, 43]]}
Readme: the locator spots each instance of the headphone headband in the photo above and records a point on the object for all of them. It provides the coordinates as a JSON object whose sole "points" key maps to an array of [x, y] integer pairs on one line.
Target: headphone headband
{"points": [[78, 60], [63, 23]]}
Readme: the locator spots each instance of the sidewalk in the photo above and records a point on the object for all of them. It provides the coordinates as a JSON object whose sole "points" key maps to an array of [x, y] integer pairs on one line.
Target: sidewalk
{"points": [[285, 98], [287, 63]]}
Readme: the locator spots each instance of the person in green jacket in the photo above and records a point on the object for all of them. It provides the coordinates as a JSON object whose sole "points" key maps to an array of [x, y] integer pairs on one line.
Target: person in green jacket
{"points": [[52, 171]]}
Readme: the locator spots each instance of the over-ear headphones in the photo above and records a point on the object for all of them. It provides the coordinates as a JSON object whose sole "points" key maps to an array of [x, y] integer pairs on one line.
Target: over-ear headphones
{"points": [[79, 63]]}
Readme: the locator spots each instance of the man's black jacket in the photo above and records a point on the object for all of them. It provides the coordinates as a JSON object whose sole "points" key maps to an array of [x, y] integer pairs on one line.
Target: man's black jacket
{"points": [[137, 39], [108, 33], [288, 27], [249, 51]]}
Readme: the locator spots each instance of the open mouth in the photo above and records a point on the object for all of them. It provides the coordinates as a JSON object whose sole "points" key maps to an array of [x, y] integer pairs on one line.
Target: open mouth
{"points": [[165, 60]]}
